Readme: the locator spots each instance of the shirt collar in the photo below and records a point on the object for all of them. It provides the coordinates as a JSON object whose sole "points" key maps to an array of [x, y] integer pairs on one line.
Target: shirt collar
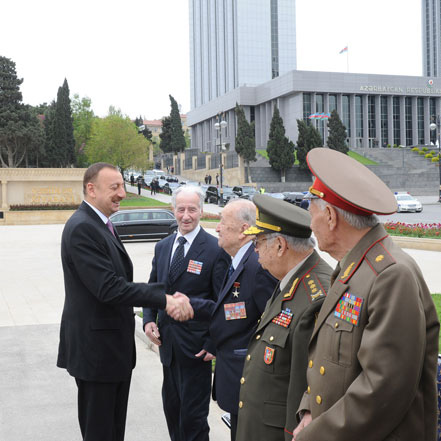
{"points": [[189, 236], [291, 272], [238, 257], [104, 218]]}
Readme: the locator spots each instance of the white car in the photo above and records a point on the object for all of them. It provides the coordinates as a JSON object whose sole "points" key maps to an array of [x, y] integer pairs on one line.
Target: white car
{"points": [[407, 203]]}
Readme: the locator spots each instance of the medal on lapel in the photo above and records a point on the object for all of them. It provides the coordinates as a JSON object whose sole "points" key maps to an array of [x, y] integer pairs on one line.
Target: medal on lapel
{"points": [[194, 267], [349, 308], [283, 318], [236, 286]]}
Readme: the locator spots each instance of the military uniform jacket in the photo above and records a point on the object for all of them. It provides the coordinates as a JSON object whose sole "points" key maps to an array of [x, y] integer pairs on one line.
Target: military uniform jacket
{"points": [[274, 377], [373, 352]]}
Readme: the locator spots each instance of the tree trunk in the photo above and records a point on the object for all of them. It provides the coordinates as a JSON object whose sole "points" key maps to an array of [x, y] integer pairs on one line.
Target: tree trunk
{"points": [[282, 175]]}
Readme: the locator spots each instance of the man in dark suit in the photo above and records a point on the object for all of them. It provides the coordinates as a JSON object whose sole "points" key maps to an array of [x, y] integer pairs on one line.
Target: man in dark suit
{"points": [[192, 261], [246, 289], [97, 344]]}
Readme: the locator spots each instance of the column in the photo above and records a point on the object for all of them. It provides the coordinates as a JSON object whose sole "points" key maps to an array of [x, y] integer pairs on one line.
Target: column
{"points": [[4, 195], [402, 121], [378, 121], [365, 121], [390, 121], [414, 121], [427, 120], [352, 122]]}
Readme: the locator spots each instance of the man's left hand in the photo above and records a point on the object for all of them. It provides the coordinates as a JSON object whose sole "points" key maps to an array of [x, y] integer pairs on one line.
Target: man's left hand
{"points": [[207, 356]]}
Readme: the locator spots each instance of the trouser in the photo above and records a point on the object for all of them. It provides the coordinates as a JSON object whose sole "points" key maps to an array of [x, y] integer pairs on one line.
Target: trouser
{"points": [[186, 398], [233, 419], [102, 409]]}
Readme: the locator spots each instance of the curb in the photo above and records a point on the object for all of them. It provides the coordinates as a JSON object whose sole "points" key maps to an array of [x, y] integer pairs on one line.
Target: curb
{"points": [[417, 243]]}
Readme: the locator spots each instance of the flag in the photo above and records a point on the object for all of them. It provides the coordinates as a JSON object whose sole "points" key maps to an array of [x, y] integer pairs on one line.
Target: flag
{"points": [[345, 49]]}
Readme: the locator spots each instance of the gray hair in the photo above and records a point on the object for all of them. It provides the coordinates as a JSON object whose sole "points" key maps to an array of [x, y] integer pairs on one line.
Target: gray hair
{"points": [[189, 189], [354, 220], [246, 210], [299, 244]]}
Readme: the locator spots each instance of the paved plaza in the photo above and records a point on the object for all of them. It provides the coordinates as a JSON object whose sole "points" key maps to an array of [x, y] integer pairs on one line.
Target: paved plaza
{"points": [[38, 400]]}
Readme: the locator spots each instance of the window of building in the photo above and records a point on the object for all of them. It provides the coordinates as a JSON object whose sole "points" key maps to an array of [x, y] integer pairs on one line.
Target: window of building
{"points": [[408, 120], [332, 103], [320, 108], [358, 121], [372, 132], [420, 119], [432, 118], [306, 107], [384, 122], [396, 119], [346, 114]]}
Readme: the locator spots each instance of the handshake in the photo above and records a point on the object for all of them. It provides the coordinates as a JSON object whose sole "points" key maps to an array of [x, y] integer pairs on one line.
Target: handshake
{"points": [[178, 307]]}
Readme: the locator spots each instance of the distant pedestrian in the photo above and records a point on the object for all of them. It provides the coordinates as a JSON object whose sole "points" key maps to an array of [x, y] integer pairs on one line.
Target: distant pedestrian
{"points": [[139, 185], [209, 179], [132, 180], [206, 179], [217, 178], [262, 190]]}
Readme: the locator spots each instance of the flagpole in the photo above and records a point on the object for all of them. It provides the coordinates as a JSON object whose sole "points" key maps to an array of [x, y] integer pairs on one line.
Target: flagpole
{"points": [[347, 58]]}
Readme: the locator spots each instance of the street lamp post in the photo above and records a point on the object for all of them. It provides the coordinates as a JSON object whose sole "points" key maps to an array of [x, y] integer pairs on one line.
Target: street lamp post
{"points": [[437, 126], [219, 125]]}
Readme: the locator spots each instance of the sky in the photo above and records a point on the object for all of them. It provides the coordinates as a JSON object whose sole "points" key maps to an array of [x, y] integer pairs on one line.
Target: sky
{"points": [[132, 54]]}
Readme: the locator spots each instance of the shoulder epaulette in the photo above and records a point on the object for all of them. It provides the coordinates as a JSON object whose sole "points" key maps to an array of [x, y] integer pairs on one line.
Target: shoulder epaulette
{"points": [[378, 258]]}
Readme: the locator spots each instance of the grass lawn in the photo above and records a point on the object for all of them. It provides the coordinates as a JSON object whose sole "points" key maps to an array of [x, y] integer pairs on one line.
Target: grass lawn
{"points": [[361, 159], [263, 152], [133, 200]]}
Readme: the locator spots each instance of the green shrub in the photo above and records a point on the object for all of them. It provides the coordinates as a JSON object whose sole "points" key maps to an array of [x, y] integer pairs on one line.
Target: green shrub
{"points": [[428, 156], [435, 159], [415, 149], [422, 152], [424, 149], [433, 152], [395, 146], [388, 146]]}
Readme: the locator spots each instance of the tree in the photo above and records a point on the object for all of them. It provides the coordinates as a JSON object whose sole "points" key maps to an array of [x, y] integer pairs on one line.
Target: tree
{"points": [[313, 138], [20, 128], [177, 139], [60, 141], [245, 140], [280, 149], [83, 117], [302, 150], [166, 142], [337, 133], [115, 139], [145, 131]]}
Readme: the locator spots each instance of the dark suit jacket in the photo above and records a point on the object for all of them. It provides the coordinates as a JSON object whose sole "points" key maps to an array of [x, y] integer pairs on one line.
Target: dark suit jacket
{"points": [[188, 338], [231, 337], [97, 325]]}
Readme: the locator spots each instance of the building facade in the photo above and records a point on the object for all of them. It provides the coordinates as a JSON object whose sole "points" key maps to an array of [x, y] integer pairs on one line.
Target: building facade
{"points": [[377, 110], [236, 43], [431, 38]]}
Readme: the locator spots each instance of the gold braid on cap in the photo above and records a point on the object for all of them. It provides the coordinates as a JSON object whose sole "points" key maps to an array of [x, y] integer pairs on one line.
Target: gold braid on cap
{"points": [[268, 226], [315, 192]]}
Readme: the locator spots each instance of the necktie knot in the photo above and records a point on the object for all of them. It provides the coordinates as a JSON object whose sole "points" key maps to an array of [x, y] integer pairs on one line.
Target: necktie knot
{"points": [[110, 227], [230, 270], [178, 259], [182, 240]]}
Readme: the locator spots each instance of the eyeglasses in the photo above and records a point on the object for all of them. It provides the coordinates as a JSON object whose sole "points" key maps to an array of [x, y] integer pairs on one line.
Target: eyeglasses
{"points": [[257, 242]]}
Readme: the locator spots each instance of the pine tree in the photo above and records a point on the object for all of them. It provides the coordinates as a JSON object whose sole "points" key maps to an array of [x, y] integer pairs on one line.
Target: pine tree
{"points": [[313, 138], [19, 126], [337, 133], [146, 131], [245, 141], [165, 135], [280, 149], [177, 139], [302, 151]]}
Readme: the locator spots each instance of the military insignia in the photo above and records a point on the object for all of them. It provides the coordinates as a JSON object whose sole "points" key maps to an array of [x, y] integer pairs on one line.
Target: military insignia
{"points": [[379, 258], [315, 296], [268, 357], [194, 267], [347, 270], [349, 308], [289, 294], [235, 311], [284, 318], [236, 286]]}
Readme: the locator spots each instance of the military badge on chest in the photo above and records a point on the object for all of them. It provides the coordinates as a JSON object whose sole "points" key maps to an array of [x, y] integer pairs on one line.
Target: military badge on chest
{"points": [[235, 311], [284, 318], [268, 356], [349, 308], [236, 287]]}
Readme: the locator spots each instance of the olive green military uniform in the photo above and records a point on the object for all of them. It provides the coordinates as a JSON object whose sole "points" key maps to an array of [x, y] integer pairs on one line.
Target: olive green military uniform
{"points": [[373, 352], [274, 375]]}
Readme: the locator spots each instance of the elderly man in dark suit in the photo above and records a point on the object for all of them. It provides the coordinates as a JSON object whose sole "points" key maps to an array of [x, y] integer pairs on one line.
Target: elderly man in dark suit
{"points": [[246, 289], [192, 261], [97, 344]]}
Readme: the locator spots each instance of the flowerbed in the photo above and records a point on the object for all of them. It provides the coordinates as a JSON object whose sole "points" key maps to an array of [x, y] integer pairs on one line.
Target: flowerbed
{"points": [[431, 231]]}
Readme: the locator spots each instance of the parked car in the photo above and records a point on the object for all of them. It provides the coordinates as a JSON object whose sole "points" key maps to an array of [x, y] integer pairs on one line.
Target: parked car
{"points": [[294, 197], [245, 192], [407, 203], [142, 224]]}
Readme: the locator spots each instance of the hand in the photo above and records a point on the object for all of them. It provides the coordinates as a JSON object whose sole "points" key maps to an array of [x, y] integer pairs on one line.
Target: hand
{"points": [[152, 332], [208, 356], [303, 423], [178, 307]]}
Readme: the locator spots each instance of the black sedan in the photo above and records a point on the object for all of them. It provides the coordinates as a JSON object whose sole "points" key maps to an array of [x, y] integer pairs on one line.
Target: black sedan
{"points": [[142, 224]]}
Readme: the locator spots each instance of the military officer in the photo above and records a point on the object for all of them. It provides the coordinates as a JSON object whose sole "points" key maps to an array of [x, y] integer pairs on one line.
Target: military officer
{"points": [[274, 375], [373, 352]]}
